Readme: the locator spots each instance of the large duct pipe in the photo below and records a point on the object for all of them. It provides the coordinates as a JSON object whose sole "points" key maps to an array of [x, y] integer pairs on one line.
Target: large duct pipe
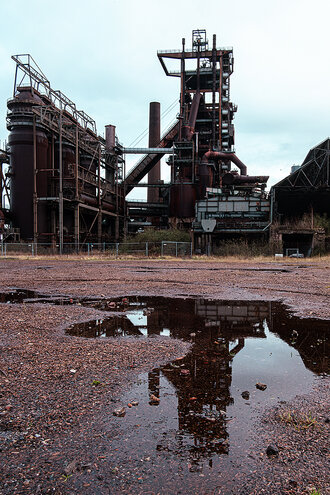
{"points": [[189, 129], [90, 200], [230, 179], [220, 155], [154, 139]]}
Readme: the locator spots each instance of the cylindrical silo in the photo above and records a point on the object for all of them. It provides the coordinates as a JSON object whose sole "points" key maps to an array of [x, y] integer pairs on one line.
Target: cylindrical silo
{"points": [[88, 164], [21, 145]]}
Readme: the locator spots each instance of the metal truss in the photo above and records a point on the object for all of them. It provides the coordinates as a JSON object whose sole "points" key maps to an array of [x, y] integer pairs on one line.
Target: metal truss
{"points": [[314, 172], [28, 73]]}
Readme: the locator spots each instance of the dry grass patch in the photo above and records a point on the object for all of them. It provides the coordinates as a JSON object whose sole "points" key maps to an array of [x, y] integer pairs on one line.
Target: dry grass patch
{"points": [[300, 420]]}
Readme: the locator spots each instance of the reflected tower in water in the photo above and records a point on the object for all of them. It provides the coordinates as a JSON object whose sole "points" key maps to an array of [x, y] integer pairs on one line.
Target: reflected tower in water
{"points": [[202, 379]]}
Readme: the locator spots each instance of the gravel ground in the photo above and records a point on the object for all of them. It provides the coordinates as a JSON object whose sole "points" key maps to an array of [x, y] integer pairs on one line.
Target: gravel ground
{"points": [[51, 433], [300, 431]]}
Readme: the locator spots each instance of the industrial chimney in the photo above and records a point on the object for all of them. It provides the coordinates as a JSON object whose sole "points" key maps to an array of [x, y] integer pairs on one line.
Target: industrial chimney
{"points": [[154, 139]]}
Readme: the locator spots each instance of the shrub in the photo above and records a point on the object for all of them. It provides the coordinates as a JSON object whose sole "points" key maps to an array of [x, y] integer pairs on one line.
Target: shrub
{"points": [[153, 235]]}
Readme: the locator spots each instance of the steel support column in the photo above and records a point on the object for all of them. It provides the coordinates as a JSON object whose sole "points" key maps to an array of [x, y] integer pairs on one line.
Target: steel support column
{"points": [[214, 80], [76, 208], [76, 227], [99, 222], [35, 199], [1, 186], [60, 195]]}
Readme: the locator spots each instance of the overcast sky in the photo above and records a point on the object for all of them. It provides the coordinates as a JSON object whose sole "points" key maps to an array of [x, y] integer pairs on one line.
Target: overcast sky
{"points": [[103, 56]]}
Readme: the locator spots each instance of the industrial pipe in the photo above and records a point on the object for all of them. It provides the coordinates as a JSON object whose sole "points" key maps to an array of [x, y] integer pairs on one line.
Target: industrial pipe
{"points": [[217, 155], [147, 151], [189, 129], [230, 179], [105, 205]]}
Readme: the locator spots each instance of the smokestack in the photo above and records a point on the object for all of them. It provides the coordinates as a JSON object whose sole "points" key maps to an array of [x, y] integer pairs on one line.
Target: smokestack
{"points": [[110, 137], [154, 139]]}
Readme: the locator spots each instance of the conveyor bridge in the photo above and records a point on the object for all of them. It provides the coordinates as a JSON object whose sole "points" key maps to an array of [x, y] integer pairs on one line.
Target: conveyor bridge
{"points": [[143, 167]]}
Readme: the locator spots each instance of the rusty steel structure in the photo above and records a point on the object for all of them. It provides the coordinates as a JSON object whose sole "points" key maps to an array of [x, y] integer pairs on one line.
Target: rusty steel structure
{"points": [[64, 178], [202, 143], [62, 183], [4, 191], [307, 187], [301, 204], [68, 185]]}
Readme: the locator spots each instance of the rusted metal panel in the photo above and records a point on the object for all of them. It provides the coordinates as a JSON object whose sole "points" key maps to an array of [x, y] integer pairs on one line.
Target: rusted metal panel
{"points": [[182, 200]]}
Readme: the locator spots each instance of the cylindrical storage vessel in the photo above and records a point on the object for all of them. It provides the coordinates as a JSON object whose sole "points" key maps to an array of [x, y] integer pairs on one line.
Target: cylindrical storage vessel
{"points": [[205, 178], [68, 162], [20, 142], [43, 182], [68, 159], [89, 173]]}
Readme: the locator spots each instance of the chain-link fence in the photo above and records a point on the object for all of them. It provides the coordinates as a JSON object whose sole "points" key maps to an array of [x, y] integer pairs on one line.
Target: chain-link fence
{"points": [[137, 249]]}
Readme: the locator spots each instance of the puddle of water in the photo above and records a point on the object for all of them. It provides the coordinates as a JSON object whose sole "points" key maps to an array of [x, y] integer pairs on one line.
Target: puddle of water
{"points": [[192, 424], [198, 319], [194, 320], [26, 296], [146, 269], [18, 296]]}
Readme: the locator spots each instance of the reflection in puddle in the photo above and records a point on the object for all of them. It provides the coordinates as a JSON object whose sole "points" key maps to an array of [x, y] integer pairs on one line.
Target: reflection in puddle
{"points": [[193, 421], [26, 296], [18, 296], [209, 324], [225, 323]]}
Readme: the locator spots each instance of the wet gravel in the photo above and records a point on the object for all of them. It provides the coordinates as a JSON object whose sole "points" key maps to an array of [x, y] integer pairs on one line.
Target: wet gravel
{"points": [[57, 391]]}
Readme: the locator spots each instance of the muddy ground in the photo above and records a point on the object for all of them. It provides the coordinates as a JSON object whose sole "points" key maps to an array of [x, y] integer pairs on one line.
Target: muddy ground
{"points": [[51, 414]]}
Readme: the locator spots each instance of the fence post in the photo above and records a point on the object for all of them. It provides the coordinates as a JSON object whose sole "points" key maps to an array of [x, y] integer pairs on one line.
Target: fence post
{"points": [[1, 247], [191, 250], [104, 247], [147, 249], [162, 249], [32, 249], [176, 249], [88, 249], [117, 249], [5, 250]]}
